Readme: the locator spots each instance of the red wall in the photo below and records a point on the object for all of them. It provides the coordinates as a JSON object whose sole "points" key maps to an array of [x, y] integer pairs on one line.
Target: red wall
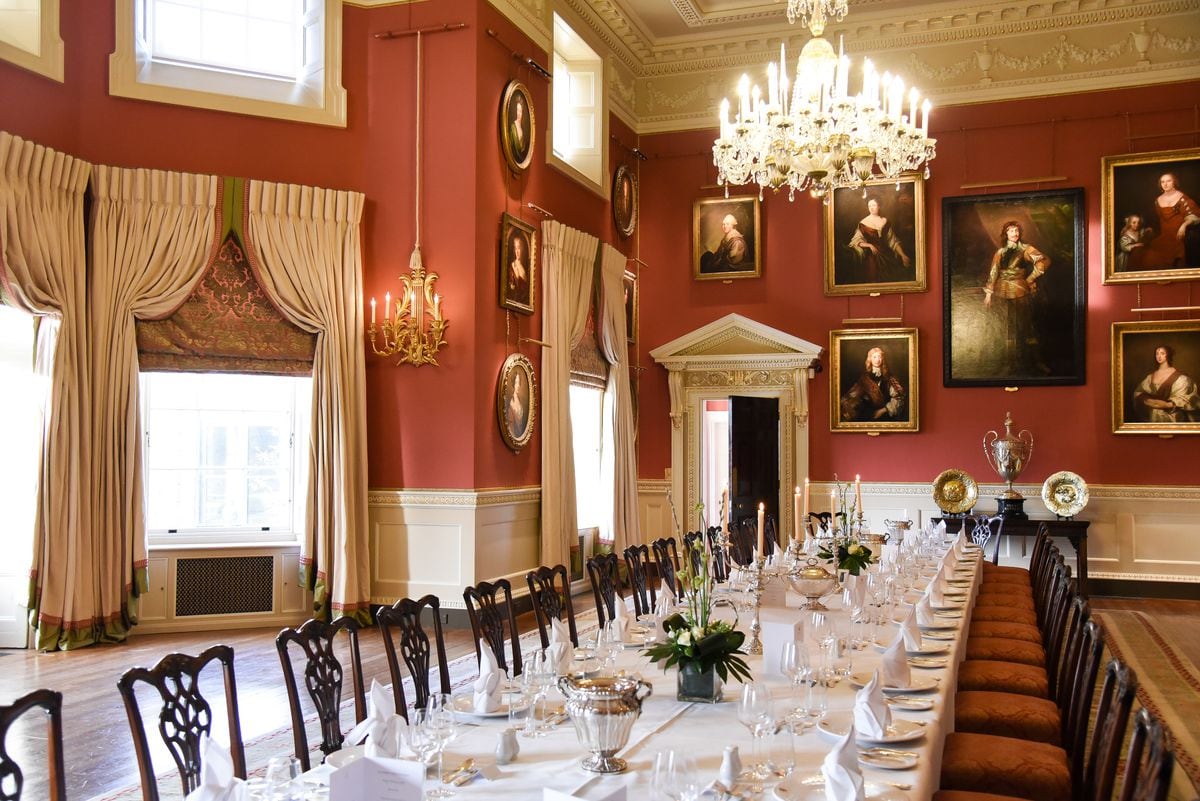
{"points": [[428, 426], [1060, 136]]}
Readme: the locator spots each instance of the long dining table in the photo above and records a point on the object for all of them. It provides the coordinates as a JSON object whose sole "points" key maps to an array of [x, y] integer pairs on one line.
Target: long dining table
{"points": [[704, 730]]}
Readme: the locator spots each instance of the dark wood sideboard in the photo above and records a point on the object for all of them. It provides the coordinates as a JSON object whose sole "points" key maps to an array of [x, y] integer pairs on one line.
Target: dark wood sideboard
{"points": [[1075, 532]]}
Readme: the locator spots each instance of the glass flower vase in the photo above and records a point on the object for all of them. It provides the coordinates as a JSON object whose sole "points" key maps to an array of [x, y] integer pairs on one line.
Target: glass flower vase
{"points": [[696, 684]]}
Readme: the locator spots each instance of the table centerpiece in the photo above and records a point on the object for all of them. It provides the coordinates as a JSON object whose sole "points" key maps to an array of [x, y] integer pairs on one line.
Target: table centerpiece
{"points": [[707, 651]]}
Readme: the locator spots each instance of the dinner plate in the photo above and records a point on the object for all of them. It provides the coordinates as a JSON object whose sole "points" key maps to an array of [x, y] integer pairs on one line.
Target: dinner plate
{"points": [[920, 684], [343, 757], [940, 633], [911, 703], [939, 626], [887, 759], [813, 789], [465, 705], [836, 724], [926, 649], [926, 662], [948, 613]]}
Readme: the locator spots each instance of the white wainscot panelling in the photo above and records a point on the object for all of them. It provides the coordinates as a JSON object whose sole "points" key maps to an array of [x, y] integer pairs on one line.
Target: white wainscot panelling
{"points": [[654, 513], [153, 605], [440, 541]]}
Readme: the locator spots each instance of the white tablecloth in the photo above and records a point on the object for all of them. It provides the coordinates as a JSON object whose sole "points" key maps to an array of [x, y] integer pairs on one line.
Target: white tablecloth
{"points": [[704, 730]]}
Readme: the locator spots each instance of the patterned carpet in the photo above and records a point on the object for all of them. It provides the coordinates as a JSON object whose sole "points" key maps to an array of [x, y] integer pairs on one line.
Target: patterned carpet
{"points": [[1168, 685]]}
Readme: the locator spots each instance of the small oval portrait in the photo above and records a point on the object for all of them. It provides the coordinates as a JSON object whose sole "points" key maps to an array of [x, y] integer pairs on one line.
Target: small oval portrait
{"points": [[516, 126], [625, 200], [516, 401]]}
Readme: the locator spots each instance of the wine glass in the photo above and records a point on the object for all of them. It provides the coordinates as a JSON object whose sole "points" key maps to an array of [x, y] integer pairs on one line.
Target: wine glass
{"points": [[531, 688], [793, 663], [753, 708], [440, 728], [683, 779], [282, 778]]}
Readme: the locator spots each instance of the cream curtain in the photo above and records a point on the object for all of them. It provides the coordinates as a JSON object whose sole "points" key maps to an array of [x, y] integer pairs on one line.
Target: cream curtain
{"points": [[42, 271], [568, 258], [153, 232], [304, 245], [618, 399]]}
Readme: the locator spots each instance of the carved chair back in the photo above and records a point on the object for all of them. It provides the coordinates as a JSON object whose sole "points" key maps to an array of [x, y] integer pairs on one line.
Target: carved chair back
{"points": [[637, 564], [606, 585], [720, 555], [667, 558], [490, 608], [404, 618], [323, 679], [981, 529], [1112, 718], [742, 540], [12, 780], [819, 523], [550, 590], [1077, 711], [184, 715], [693, 545], [1149, 761], [770, 536]]}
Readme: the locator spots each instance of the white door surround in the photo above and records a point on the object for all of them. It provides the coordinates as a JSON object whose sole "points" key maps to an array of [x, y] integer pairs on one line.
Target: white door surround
{"points": [[735, 355]]}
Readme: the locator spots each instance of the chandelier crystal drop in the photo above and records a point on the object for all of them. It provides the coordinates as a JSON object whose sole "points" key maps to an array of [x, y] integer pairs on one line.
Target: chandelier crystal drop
{"points": [[808, 132]]}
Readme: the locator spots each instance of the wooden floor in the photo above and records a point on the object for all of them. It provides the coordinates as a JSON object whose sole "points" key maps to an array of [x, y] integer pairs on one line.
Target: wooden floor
{"points": [[97, 746]]}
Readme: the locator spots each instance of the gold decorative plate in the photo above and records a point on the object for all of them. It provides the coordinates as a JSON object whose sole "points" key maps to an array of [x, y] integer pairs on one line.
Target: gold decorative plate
{"points": [[1065, 493], [955, 491]]}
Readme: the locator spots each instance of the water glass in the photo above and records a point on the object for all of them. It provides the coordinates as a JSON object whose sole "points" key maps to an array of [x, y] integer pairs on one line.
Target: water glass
{"points": [[282, 779], [440, 728], [754, 708], [683, 782], [781, 747]]}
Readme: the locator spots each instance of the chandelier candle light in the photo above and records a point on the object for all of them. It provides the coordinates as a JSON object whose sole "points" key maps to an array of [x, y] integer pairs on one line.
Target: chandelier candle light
{"points": [[813, 134]]}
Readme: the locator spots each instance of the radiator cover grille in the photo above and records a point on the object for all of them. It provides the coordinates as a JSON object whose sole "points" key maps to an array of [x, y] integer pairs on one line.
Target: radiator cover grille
{"points": [[224, 585]]}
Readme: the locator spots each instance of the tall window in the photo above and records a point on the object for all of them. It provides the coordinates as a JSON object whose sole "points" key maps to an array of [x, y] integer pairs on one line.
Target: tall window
{"points": [[29, 36], [578, 134], [271, 58], [226, 456], [587, 434]]}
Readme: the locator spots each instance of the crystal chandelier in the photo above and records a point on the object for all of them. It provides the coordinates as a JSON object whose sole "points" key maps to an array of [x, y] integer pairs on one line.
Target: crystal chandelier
{"points": [[808, 132]]}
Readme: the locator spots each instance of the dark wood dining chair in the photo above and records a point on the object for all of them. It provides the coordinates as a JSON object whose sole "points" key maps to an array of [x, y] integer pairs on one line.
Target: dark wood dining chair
{"points": [[637, 565], [982, 529], [818, 523], [720, 554], [403, 621], [489, 614], [12, 779], [1149, 762], [693, 546], [605, 575], [323, 679], [666, 557], [771, 535], [743, 539], [1108, 735], [184, 715], [550, 591]]}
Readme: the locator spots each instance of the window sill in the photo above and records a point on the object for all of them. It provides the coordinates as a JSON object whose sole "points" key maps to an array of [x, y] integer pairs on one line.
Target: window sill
{"points": [[222, 546]]}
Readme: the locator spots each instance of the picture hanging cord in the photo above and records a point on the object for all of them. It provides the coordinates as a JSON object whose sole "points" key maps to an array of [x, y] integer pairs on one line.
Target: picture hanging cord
{"points": [[449, 26], [521, 57]]}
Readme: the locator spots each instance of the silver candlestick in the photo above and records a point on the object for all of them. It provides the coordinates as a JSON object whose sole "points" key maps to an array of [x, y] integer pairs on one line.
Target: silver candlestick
{"points": [[758, 578]]}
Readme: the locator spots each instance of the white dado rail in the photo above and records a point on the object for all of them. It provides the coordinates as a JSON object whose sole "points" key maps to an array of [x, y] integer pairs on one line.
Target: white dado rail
{"points": [[1134, 533], [735, 356], [440, 541]]}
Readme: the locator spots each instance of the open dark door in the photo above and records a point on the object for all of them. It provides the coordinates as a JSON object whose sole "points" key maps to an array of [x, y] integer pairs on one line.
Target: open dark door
{"points": [[753, 457]]}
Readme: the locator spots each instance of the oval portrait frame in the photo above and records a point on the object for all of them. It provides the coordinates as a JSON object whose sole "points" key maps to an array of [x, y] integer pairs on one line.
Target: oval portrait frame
{"points": [[625, 218], [518, 158], [508, 415]]}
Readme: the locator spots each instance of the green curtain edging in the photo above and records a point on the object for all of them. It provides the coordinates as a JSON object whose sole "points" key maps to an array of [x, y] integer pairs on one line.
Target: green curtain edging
{"points": [[316, 583]]}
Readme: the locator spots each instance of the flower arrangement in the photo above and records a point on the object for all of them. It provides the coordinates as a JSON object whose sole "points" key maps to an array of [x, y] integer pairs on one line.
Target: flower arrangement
{"points": [[852, 555], [693, 640]]}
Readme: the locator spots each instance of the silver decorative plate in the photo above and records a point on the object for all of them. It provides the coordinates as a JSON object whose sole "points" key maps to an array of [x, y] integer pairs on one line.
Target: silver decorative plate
{"points": [[1065, 493]]}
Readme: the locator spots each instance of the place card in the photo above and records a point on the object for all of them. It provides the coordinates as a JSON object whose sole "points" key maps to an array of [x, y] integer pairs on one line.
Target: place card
{"points": [[775, 632], [378, 779], [619, 794]]}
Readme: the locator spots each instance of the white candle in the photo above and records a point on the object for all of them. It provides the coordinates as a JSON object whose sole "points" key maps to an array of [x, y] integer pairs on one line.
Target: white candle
{"points": [[796, 515], [372, 311], [725, 118], [806, 487], [772, 83], [762, 512], [913, 94], [925, 107], [858, 494], [744, 97], [833, 499], [437, 306], [387, 306]]}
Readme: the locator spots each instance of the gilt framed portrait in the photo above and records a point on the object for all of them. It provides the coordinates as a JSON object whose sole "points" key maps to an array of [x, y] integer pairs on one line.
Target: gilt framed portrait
{"points": [[876, 243], [630, 286], [725, 238], [518, 264], [516, 401], [875, 386], [517, 128], [1151, 224], [1155, 369], [625, 200], [1014, 289]]}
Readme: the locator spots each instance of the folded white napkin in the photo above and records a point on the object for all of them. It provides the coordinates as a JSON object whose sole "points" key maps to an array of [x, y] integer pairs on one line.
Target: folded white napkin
{"points": [[488, 689], [924, 612], [937, 591], [893, 665], [622, 618], [217, 782], [960, 546], [843, 779], [665, 601], [889, 553], [384, 730], [871, 714], [940, 529], [910, 629], [810, 543], [561, 652]]}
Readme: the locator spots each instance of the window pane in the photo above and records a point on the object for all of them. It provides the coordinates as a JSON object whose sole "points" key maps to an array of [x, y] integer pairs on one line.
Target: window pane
{"points": [[263, 37], [586, 406], [21, 24]]}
